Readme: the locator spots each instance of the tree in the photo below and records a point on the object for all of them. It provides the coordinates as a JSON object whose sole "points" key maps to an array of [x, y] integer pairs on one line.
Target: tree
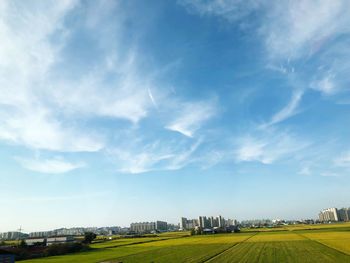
{"points": [[23, 243], [88, 237], [193, 232]]}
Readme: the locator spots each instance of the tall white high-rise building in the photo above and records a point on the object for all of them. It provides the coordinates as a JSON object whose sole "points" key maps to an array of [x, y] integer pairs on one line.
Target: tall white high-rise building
{"points": [[329, 214]]}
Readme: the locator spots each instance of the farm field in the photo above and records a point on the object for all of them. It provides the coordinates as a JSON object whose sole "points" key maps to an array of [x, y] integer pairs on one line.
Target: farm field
{"points": [[293, 244]]}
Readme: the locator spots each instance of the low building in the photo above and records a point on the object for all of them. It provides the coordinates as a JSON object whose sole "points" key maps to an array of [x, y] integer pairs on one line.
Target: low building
{"points": [[173, 227], [35, 241], [59, 240]]}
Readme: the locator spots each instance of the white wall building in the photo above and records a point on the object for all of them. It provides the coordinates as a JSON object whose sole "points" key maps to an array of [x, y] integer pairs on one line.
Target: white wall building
{"points": [[329, 215]]}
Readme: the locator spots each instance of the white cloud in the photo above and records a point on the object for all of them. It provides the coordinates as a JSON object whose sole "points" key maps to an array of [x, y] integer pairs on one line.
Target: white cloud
{"points": [[251, 150], [267, 148], [343, 160], [231, 10], [305, 170], [38, 107], [294, 29], [288, 111], [27, 55], [306, 34], [191, 116], [152, 98], [137, 158], [312, 36], [44, 105], [49, 166], [127, 98], [329, 174], [324, 85], [34, 128]]}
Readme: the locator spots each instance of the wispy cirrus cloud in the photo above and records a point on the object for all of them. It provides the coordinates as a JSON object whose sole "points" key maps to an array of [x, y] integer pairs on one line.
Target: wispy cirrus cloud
{"points": [[27, 56], [297, 29], [191, 116], [48, 166], [329, 174], [126, 98], [231, 10], [305, 170], [51, 100], [325, 85], [288, 111], [311, 37], [268, 147], [34, 127], [139, 158], [343, 160]]}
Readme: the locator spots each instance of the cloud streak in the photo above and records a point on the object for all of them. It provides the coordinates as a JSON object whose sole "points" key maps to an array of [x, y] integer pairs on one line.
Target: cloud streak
{"points": [[268, 148], [157, 156], [48, 166], [343, 160], [288, 111], [190, 117], [232, 10]]}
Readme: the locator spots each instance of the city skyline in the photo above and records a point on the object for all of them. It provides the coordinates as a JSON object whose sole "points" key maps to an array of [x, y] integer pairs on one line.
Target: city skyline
{"points": [[333, 214], [121, 111]]}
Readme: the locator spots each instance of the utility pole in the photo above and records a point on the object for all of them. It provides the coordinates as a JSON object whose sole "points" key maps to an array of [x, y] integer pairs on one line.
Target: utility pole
{"points": [[20, 234]]}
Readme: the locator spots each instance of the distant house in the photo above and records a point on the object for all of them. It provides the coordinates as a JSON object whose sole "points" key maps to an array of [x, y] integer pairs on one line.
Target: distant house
{"points": [[59, 240], [208, 231]]}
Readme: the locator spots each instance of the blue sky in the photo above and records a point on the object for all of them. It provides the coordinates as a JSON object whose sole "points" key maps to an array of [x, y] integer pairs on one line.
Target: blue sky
{"points": [[121, 111]]}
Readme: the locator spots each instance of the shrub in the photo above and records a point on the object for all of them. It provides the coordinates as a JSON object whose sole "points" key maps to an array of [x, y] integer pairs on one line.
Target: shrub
{"points": [[60, 249]]}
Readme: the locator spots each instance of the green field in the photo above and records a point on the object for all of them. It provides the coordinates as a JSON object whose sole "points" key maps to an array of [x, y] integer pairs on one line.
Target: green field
{"points": [[326, 243]]}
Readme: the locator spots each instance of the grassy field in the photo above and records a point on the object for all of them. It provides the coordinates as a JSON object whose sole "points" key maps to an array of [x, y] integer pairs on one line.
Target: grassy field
{"points": [[322, 243]]}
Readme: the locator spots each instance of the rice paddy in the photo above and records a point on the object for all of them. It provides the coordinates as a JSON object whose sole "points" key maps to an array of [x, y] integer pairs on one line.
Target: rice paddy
{"points": [[328, 243]]}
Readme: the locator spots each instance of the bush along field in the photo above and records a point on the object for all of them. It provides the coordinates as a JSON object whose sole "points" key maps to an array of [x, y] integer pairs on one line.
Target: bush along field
{"points": [[290, 244]]}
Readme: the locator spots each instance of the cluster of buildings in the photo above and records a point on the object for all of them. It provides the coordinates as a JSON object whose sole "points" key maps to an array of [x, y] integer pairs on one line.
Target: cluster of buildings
{"points": [[12, 235], [205, 222], [75, 231], [334, 215], [37, 238]]}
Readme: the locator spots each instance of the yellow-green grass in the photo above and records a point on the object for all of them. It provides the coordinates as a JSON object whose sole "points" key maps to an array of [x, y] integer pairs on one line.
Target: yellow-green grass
{"points": [[318, 226], [335, 239], [302, 251], [137, 240], [170, 250], [125, 241], [275, 237], [298, 245], [191, 249], [332, 226], [175, 234]]}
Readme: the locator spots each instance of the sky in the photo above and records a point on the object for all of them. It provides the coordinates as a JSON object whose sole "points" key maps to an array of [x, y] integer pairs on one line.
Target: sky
{"points": [[114, 112]]}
